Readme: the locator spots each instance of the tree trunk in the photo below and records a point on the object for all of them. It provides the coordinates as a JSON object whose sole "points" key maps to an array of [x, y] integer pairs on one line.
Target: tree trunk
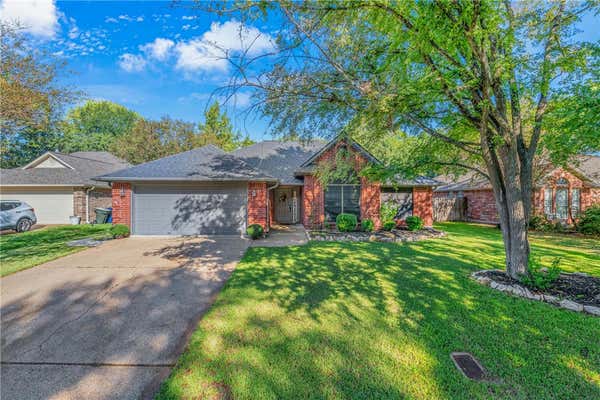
{"points": [[512, 197]]}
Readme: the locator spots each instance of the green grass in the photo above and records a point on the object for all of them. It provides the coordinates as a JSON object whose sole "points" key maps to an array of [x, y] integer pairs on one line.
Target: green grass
{"points": [[379, 321], [26, 250]]}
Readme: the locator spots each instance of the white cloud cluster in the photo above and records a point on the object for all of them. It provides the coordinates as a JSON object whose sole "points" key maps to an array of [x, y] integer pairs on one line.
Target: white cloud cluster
{"points": [[207, 52], [38, 17], [159, 49], [132, 62]]}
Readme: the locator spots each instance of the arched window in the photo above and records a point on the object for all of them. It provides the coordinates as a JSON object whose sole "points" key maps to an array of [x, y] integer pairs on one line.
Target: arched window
{"points": [[562, 182]]}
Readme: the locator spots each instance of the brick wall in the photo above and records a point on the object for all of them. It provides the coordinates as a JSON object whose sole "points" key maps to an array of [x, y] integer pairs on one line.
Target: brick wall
{"points": [[97, 198], [121, 203], [481, 206], [79, 203], [423, 204], [370, 201], [257, 204], [313, 213]]}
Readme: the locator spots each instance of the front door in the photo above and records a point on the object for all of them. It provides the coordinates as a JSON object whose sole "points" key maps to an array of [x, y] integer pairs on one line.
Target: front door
{"points": [[286, 205]]}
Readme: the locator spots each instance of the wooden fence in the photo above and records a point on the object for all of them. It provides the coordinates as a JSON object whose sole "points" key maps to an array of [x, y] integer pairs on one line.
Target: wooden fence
{"points": [[449, 209]]}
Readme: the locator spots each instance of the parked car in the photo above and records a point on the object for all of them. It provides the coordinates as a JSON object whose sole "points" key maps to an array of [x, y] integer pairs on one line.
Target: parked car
{"points": [[17, 215]]}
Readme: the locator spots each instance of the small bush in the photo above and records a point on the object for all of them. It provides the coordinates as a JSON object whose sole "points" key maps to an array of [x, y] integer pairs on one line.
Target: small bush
{"points": [[119, 231], [388, 211], [414, 223], [389, 225], [538, 222], [255, 231], [539, 277], [589, 222], [367, 225], [346, 222]]}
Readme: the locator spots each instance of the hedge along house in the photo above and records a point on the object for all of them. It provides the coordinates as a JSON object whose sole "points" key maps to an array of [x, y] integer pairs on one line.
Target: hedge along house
{"points": [[206, 191], [561, 194], [60, 185]]}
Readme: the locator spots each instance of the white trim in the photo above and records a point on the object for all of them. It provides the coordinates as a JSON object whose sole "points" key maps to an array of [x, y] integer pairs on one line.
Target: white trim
{"points": [[40, 185], [44, 157]]}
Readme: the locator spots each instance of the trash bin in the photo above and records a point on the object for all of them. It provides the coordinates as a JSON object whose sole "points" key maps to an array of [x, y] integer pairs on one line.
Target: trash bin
{"points": [[102, 215], [109, 215]]}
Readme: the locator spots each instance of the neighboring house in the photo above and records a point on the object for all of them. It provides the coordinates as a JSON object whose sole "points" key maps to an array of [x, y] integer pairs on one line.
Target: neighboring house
{"points": [[59, 185], [208, 191], [561, 194]]}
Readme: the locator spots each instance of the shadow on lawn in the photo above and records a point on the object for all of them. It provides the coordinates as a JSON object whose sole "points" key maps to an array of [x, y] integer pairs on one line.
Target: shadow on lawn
{"points": [[369, 320]]}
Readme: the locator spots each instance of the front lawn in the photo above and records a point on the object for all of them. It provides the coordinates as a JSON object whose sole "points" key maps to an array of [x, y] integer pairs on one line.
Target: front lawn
{"points": [[379, 320], [26, 250]]}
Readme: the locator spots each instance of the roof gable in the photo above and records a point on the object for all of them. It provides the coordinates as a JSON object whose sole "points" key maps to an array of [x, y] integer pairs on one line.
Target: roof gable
{"points": [[48, 160], [355, 145]]}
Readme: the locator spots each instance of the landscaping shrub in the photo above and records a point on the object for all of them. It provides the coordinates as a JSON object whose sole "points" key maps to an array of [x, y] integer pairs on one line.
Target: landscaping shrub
{"points": [[119, 231], [589, 222], [346, 222], [255, 231], [388, 211], [367, 225], [539, 277], [389, 225], [538, 222], [414, 223]]}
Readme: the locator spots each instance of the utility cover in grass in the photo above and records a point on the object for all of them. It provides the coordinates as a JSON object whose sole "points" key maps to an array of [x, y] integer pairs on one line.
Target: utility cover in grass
{"points": [[469, 366]]}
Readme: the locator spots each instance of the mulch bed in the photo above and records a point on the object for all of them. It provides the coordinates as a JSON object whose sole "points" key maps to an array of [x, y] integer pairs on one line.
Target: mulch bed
{"points": [[395, 235], [581, 288]]}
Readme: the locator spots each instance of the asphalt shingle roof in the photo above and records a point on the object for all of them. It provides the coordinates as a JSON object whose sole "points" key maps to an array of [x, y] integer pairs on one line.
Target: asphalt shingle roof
{"points": [[208, 163], [279, 159], [86, 165]]}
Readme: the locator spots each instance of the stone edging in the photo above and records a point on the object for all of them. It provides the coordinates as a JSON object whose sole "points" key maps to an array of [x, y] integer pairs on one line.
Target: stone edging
{"points": [[522, 291], [395, 235]]}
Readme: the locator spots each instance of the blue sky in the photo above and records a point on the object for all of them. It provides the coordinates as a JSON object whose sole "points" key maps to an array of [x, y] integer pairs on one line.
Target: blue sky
{"points": [[153, 57]]}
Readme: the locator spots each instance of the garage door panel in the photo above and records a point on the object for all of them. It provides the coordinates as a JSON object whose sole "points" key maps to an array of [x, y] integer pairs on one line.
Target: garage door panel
{"points": [[51, 206], [189, 210]]}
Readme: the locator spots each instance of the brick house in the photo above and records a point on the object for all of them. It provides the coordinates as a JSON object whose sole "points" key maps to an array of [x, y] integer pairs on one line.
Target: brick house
{"points": [[207, 191], [60, 185], [561, 194]]}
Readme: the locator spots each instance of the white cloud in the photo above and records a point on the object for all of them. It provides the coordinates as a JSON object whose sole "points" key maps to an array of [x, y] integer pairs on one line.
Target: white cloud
{"points": [[38, 17], [132, 62], [158, 49], [208, 52], [186, 27], [140, 19], [111, 20], [125, 17], [188, 17]]}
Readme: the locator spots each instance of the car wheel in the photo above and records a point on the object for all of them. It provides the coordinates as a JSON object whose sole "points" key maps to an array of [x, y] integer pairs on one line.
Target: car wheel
{"points": [[23, 225]]}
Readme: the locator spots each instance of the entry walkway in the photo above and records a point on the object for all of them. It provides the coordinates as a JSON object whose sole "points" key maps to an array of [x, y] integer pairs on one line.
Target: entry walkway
{"points": [[283, 235]]}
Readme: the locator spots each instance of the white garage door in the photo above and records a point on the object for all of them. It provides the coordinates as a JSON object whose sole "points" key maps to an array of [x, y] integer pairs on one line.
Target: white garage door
{"points": [[207, 209], [52, 206]]}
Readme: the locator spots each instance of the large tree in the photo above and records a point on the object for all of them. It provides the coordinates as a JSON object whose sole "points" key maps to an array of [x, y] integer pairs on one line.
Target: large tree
{"points": [[218, 130], [32, 99], [472, 79], [95, 125]]}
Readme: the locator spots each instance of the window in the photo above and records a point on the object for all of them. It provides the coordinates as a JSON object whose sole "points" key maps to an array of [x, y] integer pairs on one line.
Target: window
{"points": [[8, 205], [548, 202], [341, 199], [562, 203], [575, 203]]}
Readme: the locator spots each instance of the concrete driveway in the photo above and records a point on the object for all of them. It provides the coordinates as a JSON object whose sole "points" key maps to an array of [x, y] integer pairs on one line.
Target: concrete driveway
{"points": [[111, 321]]}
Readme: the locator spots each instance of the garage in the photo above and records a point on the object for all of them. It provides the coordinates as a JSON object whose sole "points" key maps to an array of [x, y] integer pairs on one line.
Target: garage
{"points": [[189, 209], [52, 206]]}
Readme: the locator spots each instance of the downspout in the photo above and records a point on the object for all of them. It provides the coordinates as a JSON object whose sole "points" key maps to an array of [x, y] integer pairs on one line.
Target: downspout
{"points": [[87, 204], [268, 197]]}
